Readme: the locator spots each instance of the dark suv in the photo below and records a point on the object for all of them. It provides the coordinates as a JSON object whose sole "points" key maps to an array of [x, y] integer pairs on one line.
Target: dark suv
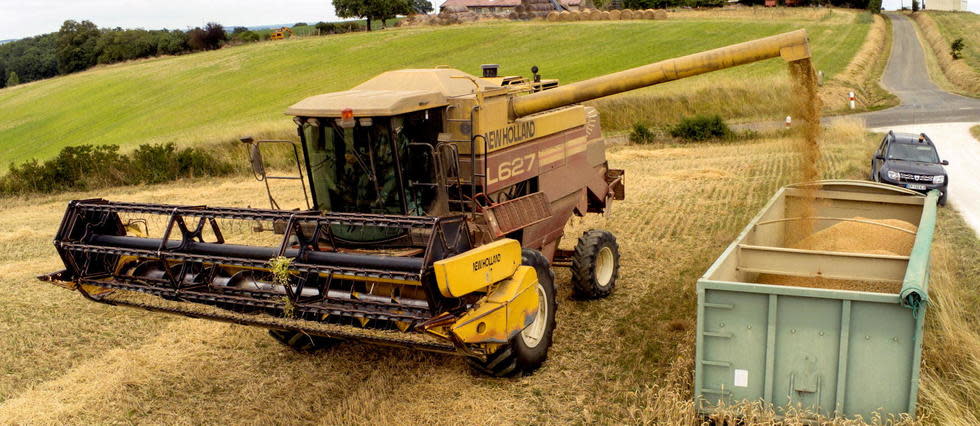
{"points": [[910, 161]]}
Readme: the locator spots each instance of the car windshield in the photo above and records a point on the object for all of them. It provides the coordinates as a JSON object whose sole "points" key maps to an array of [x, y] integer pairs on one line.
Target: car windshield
{"points": [[913, 152]]}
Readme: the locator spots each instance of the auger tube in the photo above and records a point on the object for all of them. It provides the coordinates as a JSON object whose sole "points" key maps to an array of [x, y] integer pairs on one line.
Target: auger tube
{"points": [[791, 46]]}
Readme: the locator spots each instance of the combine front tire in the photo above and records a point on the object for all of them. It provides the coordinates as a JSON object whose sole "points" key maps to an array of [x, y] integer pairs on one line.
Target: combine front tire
{"points": [[595, 264], [302, 342], [526, 351]]}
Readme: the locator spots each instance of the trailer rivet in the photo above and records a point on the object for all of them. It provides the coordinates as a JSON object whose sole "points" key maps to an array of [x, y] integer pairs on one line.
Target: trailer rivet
{"points": [[750, 327], [821, 333], [721, 324], [867, 337], [793, 331]]}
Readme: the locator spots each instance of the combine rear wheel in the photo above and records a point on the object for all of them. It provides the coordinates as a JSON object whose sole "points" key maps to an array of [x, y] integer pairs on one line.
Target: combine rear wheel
{"points": [[302, 342], [526, 351], [595, 264]]}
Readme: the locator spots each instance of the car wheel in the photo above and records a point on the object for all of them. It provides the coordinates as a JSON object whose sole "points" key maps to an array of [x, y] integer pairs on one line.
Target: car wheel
{"points": [[942, 199]]}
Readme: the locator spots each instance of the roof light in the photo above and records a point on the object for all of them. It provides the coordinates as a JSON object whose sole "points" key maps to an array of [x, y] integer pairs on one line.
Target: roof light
{"points": [[347, 114]]}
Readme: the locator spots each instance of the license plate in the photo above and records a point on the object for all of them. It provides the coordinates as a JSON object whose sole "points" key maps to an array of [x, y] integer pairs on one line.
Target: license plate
{"points": [[916, 186]]}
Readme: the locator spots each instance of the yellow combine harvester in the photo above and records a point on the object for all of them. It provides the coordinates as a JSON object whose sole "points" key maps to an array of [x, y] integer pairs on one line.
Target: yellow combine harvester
{"points": [[438, 203], [280, 34]]}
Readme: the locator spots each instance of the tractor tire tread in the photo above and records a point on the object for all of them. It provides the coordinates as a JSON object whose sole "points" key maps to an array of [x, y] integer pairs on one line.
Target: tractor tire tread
{"points": [[583, 264]]}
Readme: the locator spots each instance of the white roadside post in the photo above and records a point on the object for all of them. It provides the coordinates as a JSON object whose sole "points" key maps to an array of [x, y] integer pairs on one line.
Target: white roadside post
{"points": [[789, 121], [850, 99]]}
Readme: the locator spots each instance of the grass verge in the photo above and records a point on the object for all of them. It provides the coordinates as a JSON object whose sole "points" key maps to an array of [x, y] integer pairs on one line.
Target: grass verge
{"points": [[936, 34]]}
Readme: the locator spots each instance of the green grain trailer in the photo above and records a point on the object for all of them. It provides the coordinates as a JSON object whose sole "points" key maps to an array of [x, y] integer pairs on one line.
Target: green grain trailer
{"points": [[828, 351]]}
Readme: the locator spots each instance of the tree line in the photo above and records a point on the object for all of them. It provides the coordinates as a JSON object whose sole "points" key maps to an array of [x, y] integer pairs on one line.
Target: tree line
{"points": [[78, 46]]}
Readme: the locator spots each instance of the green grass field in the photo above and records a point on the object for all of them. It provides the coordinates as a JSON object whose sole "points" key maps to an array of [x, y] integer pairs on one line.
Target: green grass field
{"points": [[965, 25], [237, 91]]}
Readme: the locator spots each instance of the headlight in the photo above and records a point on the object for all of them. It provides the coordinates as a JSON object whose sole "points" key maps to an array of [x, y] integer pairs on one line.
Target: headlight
{"points": [[893, 175], [938, 179]]}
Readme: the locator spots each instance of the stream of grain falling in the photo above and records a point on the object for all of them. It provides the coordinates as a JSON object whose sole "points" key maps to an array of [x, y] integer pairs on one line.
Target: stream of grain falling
{"points": [[806, 108]]}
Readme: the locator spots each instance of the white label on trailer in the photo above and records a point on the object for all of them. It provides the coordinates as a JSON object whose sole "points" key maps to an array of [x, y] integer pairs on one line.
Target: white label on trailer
{"points": [[742, 378]]}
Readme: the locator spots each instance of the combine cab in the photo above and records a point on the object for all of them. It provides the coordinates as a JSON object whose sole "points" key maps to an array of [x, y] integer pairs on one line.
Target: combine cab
{"points": [[437, 202]]}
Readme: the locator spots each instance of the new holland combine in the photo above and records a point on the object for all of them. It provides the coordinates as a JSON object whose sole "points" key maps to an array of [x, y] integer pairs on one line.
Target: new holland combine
{"points": [[438, 203]]}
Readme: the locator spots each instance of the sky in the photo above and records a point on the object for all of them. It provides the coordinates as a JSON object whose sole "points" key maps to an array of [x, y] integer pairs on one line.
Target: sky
{"points": [[24, 18]]}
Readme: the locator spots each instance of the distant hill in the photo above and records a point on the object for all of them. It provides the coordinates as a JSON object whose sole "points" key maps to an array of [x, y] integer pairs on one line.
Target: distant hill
{"points": [[7, 41], [227, 93]]}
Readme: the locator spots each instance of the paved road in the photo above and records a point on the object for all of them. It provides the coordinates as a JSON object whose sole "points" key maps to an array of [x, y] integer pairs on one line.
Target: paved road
{"points": [[906, 77]]}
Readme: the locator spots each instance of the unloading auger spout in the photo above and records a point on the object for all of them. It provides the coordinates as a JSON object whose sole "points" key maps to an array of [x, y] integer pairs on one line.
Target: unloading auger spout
{"points": [[792, 46]]}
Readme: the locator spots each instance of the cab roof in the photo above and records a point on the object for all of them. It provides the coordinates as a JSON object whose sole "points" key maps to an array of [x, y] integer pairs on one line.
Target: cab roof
{"points": [[393, 93]]}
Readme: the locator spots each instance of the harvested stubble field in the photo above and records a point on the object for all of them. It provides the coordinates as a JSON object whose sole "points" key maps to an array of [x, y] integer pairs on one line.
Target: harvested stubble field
{"points": [[216, 96], [626, 359]]}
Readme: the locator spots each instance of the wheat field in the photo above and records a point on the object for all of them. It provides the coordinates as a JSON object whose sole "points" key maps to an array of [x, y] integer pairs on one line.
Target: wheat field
{"points": [[625, 359]]}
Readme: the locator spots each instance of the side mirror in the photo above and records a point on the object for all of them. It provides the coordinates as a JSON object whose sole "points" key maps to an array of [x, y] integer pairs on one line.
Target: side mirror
{"points": [[945, 162], [255, 157], [879, 157]]}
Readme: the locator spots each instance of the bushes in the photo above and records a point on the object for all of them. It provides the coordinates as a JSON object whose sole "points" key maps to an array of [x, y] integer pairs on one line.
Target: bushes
{"points": [[956, 48], [88, 167], [701, 127], [691, 129], [641, 134], [337, 27]]}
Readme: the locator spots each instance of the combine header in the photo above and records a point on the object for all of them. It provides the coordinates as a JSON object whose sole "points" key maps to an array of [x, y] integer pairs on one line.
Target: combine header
{"points": [[438, 202]]}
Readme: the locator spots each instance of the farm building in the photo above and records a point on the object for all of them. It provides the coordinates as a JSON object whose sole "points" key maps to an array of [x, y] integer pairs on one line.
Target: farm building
{"points": [[950, 5]]}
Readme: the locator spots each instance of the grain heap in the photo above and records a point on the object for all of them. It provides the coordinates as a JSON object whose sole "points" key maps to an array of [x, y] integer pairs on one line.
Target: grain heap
{"points": [[872, 236]]}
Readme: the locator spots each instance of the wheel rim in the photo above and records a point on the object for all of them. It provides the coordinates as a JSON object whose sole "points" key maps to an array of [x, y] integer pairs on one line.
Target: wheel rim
{"points": [[534, 333], [604, 265]]}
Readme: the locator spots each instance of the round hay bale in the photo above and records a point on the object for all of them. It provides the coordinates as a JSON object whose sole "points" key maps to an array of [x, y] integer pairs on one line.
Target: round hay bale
{"points": [[649, 14], [564, 16], [595, 15], [615, 15], [626, 14], [604, 15], [660, 14], [574, 16], [552, 17], [513, 16]]}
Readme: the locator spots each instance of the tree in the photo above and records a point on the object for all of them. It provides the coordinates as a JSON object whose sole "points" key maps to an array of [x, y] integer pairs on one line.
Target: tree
{"points": [[209, 38], [421, 6], [12, 79], [215, 34], [956, 48], [372, 9], [353, 9], [77, 46], [874, 6], [915, 5]]}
